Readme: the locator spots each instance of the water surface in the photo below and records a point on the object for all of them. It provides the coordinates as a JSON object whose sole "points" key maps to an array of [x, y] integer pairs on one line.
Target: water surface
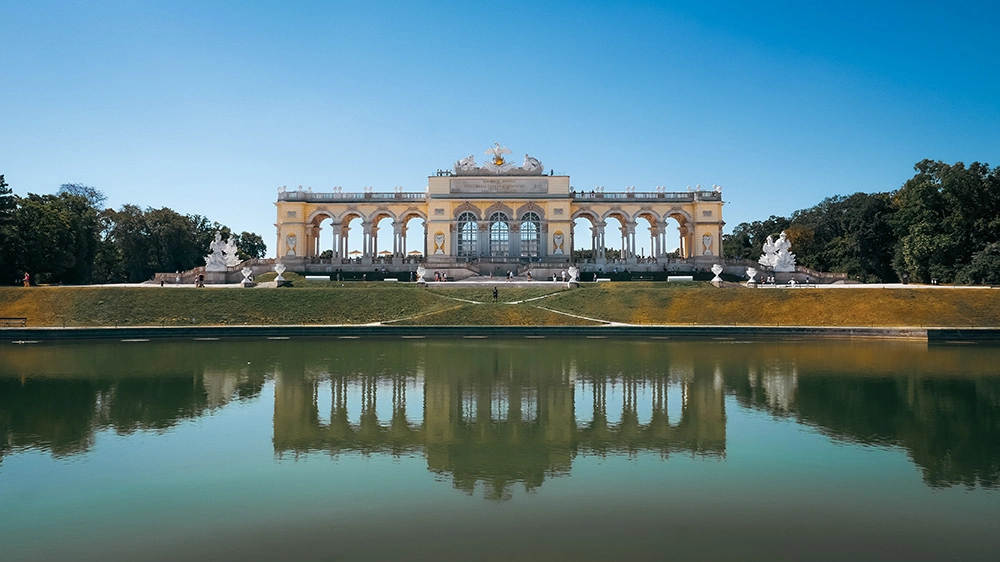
{"points": [[499, 449]]}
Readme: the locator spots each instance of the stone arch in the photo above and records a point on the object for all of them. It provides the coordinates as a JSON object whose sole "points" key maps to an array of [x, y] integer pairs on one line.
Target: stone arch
{"points": [[501, 208], [652, 216], [379, 214], [530, 207], [579, 236], [344, 232], [377, 225], [321, 215], [587, 214], [350, 214], [467, 207], [648, 229], [621, 233], [675, 212], [412, 213], [616, 213], [310, 245], [419, 243], [684, 232]]}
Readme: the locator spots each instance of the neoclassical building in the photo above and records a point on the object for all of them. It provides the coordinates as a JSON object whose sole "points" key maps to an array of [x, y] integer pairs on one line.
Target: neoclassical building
{"points": [[496, 212]]}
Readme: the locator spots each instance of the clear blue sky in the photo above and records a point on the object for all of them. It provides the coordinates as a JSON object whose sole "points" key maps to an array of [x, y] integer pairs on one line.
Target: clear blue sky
{"points": [[208, 107]]}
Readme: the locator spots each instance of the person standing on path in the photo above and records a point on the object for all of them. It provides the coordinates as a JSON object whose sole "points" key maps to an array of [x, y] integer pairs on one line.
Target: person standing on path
{"points": [[495, 294], [27, 279]]}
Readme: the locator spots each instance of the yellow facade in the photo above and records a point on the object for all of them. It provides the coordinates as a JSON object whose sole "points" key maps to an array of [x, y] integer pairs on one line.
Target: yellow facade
{"points": [[474, 215]]}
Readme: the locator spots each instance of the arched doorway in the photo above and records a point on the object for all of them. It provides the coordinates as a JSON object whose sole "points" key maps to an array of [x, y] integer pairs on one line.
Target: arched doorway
{"points": [[321, 246], [352, 236], [499, 232], [617, 246], [467, 235], [531, 234], [413, 235], [588, 233], [646, 236]]}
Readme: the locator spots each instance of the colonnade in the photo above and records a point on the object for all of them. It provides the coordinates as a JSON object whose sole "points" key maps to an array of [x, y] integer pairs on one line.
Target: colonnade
{"points": [[629, 246], [369, 238]]}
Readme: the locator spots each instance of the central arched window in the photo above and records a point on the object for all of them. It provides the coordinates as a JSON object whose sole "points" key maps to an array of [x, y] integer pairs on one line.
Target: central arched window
{"points": [[530, 234], [468, 231], [499, 235]]}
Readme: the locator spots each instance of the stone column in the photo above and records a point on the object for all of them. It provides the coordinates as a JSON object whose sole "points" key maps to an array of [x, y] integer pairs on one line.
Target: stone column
{"points": [[366, 239], [599, 238], [483, 242], [396, 238]]}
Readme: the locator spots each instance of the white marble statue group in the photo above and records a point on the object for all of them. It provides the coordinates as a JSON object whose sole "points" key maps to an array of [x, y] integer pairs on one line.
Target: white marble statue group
{"points": [[777, 255], [223, 254], [497, 164]]}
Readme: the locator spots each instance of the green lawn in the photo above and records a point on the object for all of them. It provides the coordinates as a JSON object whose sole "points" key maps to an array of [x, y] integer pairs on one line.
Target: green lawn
{"points": [[323, 302]]}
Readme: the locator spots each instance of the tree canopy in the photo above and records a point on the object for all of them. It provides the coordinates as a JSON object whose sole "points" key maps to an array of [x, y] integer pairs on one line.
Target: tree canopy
{"points": [[943, 225], [69, 238]]}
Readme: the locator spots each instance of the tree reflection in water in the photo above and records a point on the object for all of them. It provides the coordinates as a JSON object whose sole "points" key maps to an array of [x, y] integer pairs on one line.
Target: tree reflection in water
{"points": [[506, 412]]}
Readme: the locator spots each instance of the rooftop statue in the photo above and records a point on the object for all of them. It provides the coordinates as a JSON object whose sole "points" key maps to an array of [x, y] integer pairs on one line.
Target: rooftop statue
{"points": [[496, 164], [466, 164], [531, 164]]}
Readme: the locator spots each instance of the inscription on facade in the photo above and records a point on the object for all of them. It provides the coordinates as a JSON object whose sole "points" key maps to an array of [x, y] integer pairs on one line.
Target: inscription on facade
{"points": [[499, 185]]}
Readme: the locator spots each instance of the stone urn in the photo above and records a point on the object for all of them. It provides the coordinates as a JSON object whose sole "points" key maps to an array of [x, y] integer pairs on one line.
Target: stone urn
{"points": [[247, 272], [717, 269], [751, 273], [421, 270], [279, 268]]}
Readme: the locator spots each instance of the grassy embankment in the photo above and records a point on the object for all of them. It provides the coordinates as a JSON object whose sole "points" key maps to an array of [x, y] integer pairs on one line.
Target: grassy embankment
{"points": [[404, 304]]}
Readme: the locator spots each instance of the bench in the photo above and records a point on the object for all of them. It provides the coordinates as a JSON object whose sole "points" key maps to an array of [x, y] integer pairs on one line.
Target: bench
{"points": [[680, 278], [642, 277], [8, 322]]}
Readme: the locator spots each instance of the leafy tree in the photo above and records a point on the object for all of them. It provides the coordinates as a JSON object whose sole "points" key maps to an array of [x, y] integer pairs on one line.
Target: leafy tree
{"points": [[54, 237], [851, 234], [7, 201], [984, 267], [93, 196], [747, 239], [150, 241], [250, 246], [944, 215], [8, 204]]}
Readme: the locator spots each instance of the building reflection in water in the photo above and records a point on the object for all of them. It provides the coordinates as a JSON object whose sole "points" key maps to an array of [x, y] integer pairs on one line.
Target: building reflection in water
{"points": [[499, 413]]}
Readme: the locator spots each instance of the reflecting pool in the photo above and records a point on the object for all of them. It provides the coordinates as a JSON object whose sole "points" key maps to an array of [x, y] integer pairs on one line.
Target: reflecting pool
{"points": [[493, 449]]}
